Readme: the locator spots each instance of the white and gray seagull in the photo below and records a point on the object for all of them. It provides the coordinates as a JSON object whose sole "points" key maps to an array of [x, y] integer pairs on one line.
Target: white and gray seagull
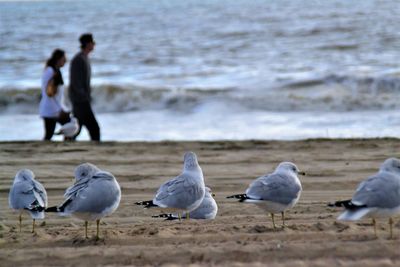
{"points": [[275, 192], [184, 193], [94, 195], [69, 129], [376, 197], [27, 194], [206, 211]]}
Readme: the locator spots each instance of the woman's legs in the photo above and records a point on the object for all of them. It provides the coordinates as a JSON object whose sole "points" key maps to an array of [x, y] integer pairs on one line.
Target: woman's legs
{"points": [[49, 126]]}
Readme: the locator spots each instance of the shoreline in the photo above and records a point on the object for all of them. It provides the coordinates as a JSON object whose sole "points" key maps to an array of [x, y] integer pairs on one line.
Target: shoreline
{"points": [[241, 235], [316, 139], [201, 124]]}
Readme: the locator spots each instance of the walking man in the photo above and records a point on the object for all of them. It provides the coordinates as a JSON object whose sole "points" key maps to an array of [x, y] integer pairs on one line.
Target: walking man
{"points": [[80, 90]]}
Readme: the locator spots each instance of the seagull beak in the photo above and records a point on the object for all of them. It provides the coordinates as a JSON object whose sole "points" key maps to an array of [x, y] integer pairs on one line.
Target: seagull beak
{"points": [[213, 194], [302, 173]]}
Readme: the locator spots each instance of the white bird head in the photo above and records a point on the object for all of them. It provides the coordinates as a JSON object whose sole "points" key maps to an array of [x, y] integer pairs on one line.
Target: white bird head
{"points": [[85, 170], [190, 161], [391, 165], [290, 167], [24, 175]]}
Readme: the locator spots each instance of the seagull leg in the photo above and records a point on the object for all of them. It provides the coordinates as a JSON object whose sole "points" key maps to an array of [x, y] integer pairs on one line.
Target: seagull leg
{"points": [[187, 215], [391, 227], [283, 219], [33, 226], [20, 222], [374, 224], [86, 225], [98, 226], [179, 216], [273, 220]]}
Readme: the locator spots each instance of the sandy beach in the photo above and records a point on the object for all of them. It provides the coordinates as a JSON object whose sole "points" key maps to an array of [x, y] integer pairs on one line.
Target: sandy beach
{"points": [[241, 235]]}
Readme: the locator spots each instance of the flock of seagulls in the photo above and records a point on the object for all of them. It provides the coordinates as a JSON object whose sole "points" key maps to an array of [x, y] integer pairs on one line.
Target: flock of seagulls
{"points": [[96, 194]]}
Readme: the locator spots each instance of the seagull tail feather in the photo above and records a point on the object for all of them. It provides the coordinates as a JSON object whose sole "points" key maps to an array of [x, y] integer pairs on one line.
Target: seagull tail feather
{"points": [[353, 215], [241, 197], [147, 204]]}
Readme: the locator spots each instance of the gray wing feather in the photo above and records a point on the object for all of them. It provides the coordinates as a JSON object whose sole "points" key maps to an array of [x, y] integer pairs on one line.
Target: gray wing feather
{"points": [[39, 188], [178, 192], [75, 188], [274, 187], [172, 187], [95, 197], [381, 190]]}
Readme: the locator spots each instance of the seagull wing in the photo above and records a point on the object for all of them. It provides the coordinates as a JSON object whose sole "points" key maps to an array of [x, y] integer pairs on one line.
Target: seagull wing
{"points": [[381, 190], [274, 187]]}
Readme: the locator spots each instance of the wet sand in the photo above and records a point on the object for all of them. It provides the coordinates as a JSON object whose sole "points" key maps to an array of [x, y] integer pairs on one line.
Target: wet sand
{"points": [[241, 235]]}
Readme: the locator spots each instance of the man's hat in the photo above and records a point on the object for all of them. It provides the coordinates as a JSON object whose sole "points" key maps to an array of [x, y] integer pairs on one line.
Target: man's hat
{"points": [[86, 38]]}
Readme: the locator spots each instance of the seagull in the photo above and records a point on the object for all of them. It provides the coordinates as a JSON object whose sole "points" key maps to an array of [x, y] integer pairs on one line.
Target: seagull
{"points": [[27, 194], [378, 196], [184, 193], [94, 195], [70, 129], [207, 210], [275, 192]]}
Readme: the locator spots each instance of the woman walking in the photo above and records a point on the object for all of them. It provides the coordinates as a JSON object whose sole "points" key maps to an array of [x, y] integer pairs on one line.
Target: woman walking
{"points": [[51, 108]]}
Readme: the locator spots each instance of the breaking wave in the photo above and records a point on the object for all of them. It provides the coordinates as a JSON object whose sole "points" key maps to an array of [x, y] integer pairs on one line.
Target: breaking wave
{"points": [[329, 93]]}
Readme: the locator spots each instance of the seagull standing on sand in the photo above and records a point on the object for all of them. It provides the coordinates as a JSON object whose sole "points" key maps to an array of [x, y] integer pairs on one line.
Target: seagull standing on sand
{"points": [[376, 197], [183, 193], [94, 195], [27, 194], [275, 192], [70, 129], [206, 211]]}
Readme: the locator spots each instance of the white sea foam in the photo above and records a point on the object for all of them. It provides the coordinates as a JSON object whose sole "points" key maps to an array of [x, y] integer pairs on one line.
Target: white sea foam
{"points": [[215, 124], [330, 93]]}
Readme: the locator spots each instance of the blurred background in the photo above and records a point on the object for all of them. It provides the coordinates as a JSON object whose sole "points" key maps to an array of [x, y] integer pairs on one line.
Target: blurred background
{"points": [[211, 69]]}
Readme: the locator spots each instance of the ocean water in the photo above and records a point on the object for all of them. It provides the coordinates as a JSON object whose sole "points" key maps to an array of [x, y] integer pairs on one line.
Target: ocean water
{"points": [[213, 69]]}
